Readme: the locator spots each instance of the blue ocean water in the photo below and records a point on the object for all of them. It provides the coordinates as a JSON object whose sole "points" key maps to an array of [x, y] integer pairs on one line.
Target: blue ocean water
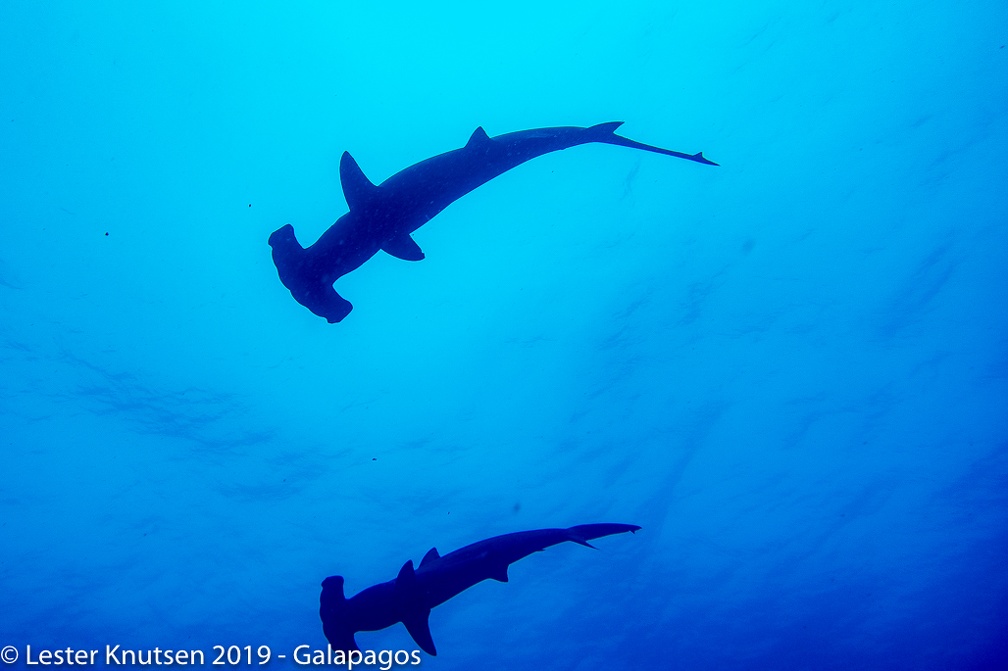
{"points": [[790, 370]]}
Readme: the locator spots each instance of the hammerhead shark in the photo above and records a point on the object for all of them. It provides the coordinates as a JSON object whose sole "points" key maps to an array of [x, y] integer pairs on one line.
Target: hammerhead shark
{"points": [[382, 217], [410, 597]]}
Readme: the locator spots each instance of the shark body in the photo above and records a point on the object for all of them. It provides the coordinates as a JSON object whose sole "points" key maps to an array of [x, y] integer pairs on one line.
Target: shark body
{"points": [[410, 597], [382, 216]]}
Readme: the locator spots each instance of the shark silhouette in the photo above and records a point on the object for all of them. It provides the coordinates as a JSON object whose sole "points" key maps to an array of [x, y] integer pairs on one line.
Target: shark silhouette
{"points": [[410, 597], [383, 216]]}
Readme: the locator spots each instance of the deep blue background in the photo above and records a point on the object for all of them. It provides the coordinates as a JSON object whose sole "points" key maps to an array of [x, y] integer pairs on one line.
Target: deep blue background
{"points": [[791, 370]]}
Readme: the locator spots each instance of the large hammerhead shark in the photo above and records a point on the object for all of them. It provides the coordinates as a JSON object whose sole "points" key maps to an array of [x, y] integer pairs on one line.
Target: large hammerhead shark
{"points": [[410, 597], [383, 216]]}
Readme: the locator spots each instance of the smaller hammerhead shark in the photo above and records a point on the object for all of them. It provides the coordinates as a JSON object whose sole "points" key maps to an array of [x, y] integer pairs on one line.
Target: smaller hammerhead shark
{"points": [[410, 597], [382, 216]]}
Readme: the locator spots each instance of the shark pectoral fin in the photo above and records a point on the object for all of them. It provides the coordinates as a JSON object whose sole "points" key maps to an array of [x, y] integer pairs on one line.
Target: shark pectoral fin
{"points": [[499, 573], [431, 555], [416, 616], [357, 188], [404, 247], [418, 625]]}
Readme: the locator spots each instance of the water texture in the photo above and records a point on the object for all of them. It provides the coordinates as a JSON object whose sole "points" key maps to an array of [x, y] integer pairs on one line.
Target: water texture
{"points": [[790, 370]]}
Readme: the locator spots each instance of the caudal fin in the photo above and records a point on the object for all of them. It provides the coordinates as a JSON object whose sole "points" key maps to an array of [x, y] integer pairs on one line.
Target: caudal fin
{"points": [[606, 132], [583, 533]]}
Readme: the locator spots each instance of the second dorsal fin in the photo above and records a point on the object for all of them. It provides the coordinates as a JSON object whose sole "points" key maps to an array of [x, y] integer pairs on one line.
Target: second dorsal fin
{"points": [[478, 138], [431, 555], [357, 188]]}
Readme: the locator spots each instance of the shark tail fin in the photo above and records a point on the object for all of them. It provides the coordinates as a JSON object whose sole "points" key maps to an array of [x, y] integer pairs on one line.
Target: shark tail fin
{"points": [[606, 133], [583, 533], [332, 610]]}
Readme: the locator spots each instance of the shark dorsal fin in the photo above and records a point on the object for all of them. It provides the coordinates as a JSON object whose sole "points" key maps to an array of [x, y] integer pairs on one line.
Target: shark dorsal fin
{"points": [[607, 128], [479, 137], [357, 188], [431, 555], [418, 625], [404, 247], [406, 579]]}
